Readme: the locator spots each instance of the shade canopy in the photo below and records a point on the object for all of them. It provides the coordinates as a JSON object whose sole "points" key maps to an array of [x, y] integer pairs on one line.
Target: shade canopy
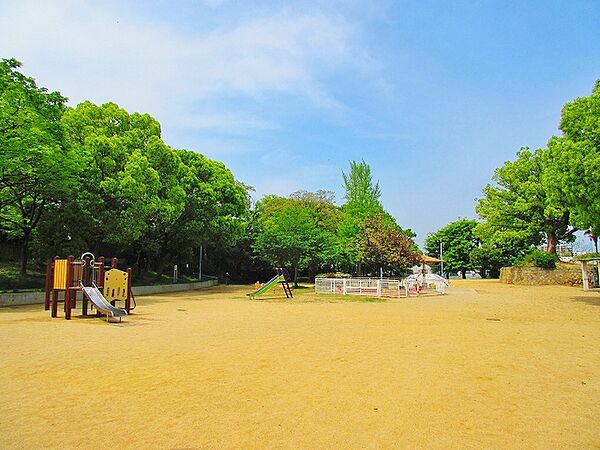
{"points": [[430, 259]]}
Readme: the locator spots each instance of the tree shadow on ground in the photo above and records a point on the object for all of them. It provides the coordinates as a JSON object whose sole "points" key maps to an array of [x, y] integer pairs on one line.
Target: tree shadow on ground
{"points": [[594, 301]]}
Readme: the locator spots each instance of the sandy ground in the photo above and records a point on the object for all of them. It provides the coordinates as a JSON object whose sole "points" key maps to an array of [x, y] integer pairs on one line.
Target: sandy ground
{"points": [[488, 365]]}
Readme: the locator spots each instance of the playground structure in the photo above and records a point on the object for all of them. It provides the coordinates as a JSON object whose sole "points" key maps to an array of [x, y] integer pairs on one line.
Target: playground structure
{"points": [[103, 288], [282, 278], [412, 285]]}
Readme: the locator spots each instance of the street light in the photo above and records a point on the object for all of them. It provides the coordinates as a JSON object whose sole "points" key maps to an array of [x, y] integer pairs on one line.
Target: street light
{"points": [[441, 257]]}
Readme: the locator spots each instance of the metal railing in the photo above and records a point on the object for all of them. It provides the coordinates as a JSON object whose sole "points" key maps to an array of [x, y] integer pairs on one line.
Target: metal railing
{"points": [[381, 287], [373, 287]]}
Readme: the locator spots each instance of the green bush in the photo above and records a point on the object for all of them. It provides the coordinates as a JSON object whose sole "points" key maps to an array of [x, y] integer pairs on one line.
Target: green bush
{"points": [[334, 275], [587, 256], [541, 259], [12, 280]]}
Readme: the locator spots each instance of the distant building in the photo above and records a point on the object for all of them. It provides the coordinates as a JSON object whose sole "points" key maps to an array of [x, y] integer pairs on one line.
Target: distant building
{"points": [[561, 249]]}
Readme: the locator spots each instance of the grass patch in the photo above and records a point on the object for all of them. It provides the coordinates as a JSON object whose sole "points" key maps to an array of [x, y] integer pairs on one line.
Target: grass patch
{"points": [[153, 278], [11, 279]]}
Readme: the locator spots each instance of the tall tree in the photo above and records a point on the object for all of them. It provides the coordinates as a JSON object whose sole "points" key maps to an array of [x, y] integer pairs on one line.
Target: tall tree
{"points": [[362, 197], [287, 234], [35, 169], [216, 213], [517, 206], [457, 241], [120, 174], [142, 198], [328, 217], [573, 162]]}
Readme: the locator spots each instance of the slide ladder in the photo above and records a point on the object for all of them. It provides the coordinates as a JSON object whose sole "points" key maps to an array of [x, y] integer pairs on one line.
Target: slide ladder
{"points": [[285, 283]]}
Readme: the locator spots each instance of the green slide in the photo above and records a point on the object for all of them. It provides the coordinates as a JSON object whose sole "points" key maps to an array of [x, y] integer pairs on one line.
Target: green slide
{"points": [[267, 286]]}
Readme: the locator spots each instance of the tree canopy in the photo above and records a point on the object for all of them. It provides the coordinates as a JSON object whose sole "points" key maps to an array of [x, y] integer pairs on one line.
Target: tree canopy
{"points": [[573, 162], [35, 168], [362, 195], [381, 243], [287, 234], [457, 241], [96, 177], [517, 206]]}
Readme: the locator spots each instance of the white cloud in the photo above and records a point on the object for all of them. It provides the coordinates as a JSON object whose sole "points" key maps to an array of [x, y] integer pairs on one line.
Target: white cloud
{"points": [[295, 175], [105, 52], [233, 123]]}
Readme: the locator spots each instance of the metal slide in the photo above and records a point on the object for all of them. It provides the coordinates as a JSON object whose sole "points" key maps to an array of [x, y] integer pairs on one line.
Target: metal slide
{"points": [[95, 296], [267, 286]]}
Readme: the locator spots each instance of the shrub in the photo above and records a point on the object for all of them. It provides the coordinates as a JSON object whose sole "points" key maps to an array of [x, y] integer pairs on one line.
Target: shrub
{"points": [[541, 259], [333, 275], [587, 256]]}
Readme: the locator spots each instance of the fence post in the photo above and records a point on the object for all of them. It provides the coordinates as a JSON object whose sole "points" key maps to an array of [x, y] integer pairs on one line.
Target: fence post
{"points": [[584, 276], [48, 284]]}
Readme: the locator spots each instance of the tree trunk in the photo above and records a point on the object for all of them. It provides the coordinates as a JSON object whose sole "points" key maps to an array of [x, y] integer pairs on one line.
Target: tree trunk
{"points": [[159, 264], [97, 248], [551, 242], [295, 276], [464, 273], [25, 252], [359, 270], [138, 264]]}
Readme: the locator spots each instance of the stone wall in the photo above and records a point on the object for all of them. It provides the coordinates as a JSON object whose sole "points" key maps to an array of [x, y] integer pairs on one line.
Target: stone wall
{"points": [[565, 273]]}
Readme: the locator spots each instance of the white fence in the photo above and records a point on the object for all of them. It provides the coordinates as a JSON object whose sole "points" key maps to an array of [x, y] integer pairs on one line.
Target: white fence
{"points": [[373, 287], [382, 287]]}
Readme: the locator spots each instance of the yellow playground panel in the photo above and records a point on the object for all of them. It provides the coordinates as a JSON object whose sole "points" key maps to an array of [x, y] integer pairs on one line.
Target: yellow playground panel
{"points": [[60, 274], [115, 285]]}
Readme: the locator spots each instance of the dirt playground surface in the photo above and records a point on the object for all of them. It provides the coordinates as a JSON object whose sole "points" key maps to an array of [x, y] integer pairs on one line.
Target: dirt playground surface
{"points": [[487, 366]]}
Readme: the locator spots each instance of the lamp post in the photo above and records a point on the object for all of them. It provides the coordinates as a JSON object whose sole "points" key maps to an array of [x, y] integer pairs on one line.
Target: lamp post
{"points": [[441, 257]]}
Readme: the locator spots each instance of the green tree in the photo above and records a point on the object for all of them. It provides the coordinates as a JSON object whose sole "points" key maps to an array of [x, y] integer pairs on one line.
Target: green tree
{"points": [[328, 217], [139, 196], [120, 175], [287, 234], [573, 162], [457, 241], [488, 260], [498, 249], [216, 213], [35, 169], [518, 206], [362, 197]]}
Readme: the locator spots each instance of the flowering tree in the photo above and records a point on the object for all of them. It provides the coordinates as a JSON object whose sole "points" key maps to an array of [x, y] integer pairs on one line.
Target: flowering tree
{"points": [[380, 242]]}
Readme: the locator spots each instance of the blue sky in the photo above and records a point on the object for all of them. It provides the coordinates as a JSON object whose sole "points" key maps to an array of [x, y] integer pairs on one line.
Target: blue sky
{"points": [[434, 95]]}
